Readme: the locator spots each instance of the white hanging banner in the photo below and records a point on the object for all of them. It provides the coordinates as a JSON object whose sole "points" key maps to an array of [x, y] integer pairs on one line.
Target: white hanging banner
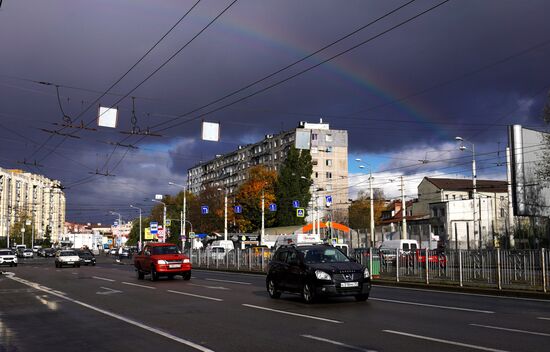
{"points": [[210, 131]]}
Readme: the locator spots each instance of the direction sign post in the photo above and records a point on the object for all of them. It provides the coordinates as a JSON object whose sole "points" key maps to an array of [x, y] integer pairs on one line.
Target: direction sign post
{"points": [[300, 212], [295, 203], [328, 200], [204, 209], [272, 207], [154, 227], [238, 209]]}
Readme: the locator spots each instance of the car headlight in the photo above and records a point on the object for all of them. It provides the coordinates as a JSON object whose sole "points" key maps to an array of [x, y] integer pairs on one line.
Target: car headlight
{"points": [[162, 262], [321, 275], [366, 273], [186, 261]]}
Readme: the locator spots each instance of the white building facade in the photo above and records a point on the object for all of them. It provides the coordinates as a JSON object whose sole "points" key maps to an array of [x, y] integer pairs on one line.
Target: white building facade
{"points": [[33, 197]]}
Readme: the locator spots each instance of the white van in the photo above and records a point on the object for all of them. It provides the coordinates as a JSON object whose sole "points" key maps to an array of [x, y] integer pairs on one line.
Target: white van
{"points": [[298, 239], [404, 245]]}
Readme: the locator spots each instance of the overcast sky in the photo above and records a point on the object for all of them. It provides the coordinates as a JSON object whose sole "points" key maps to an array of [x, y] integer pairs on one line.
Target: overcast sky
{"points": [[467, 68]]}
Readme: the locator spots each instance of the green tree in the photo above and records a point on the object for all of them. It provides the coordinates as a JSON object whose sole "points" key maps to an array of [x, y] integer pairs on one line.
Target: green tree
{"points": [[543, 171], [291, 186]]}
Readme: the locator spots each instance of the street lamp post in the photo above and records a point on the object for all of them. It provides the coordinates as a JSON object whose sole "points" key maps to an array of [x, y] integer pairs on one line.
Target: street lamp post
{"points": [[225, 213], [139, 244], [183, 215], [474, 187], [163, 217], [314, 209], [371, 202]]}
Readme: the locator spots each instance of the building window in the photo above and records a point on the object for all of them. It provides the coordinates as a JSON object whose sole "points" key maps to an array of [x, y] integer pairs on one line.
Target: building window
{"points": [[329, 150], [329, 174], [314, 150], [328, 138], [501, 212], [314, 162], [316, 175], [314, 136], [454, 196], [446, 197], [328, 162]]}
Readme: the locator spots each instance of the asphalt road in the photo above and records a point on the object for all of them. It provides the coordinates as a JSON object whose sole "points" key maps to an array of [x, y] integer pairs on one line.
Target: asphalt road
{"points": [[105, 308]]}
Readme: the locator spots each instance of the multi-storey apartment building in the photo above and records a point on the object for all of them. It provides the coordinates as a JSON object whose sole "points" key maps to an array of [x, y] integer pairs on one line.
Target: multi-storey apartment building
{"points": [[329, 152], [34, 197]]}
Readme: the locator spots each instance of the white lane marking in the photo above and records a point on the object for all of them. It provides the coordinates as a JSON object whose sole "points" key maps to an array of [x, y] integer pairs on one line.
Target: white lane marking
{"points": [[476, 347], [465, 293], [543, 318], [212, 287], [74, 273], [102, 278], [293, 314], [198, 296], [113, 315], [138, 285], [337, 343], [108, 292], [432, 305], [511, 330], [229, 273], [231, 281]]}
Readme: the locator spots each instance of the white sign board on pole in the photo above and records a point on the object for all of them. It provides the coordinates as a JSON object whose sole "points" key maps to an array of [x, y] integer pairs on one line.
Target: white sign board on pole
{"points": [[158, 196]]}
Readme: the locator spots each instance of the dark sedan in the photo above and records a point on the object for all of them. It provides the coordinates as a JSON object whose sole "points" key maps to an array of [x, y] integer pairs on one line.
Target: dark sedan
{"points": [[86, 258], [317, 270]]}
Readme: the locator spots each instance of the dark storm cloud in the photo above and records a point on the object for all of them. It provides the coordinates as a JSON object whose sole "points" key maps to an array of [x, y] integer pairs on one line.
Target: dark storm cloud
{"points": [[90, 44]]}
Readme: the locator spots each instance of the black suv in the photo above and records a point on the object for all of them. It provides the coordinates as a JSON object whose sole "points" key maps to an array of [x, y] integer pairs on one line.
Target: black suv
{"points": [[317, 270]]}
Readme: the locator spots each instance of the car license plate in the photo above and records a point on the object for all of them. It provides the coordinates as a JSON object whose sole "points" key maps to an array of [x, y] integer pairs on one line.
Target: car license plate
{"points": [[174, 266], [349, 284], [69, 262]]}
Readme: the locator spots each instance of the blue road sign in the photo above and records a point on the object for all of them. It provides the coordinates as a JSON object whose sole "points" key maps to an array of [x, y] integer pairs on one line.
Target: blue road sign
{"points": [[295, 203], [272, 207], [116, 223], [300, 212], [204, 209], [238, 209], [154, 227], [328, 200]]}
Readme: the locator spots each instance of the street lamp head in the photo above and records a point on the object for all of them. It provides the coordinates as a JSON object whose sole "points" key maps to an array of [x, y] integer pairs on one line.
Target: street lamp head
{"points": [[459, 138], [361, 166], [171, 183], [462, 148], [358, 160]]}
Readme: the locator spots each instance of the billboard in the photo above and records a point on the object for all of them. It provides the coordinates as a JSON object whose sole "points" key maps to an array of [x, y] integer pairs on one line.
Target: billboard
{"points": [[530, 193]]}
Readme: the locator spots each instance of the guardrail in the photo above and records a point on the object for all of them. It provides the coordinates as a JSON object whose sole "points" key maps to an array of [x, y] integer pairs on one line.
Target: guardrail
{"points": [[494, 268]]}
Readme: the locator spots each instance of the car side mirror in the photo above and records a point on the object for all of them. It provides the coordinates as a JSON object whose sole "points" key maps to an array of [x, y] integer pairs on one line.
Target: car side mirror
{"points": [[147, 253]]}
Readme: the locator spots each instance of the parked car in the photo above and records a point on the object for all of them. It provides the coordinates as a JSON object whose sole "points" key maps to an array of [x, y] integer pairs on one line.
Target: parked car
{"points": [[316, 270], [35, 249], [86, 257], [7, 257], [162, 259], [434, 257], [67, 257], [49, 252]]}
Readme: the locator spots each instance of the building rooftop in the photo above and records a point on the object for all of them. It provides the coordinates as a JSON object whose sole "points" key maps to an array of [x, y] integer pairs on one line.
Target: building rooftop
{"points": [[465, 185]]}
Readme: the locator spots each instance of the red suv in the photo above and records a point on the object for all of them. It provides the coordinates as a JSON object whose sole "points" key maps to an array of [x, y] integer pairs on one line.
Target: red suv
{"points": [[162, 259]]}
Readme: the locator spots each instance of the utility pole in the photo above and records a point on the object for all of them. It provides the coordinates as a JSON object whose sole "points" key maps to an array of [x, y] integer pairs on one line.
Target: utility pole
{"points": [[403, 211], [225, 217], [183, 216], [140, 243], [263, 219], [510, 208], [371, 210]]}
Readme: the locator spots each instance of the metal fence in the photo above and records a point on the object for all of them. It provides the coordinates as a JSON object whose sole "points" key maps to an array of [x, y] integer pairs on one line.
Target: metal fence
{"points": [[502, 269]]}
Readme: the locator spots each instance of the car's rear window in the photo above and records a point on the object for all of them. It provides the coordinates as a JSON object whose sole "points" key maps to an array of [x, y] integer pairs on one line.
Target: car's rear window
{"points": [[5, 252], [164, 250]]}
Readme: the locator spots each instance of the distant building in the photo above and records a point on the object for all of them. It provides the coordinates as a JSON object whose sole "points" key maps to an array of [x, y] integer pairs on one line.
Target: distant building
{"points": [[24, 195], [329, 152], [448, 204]]}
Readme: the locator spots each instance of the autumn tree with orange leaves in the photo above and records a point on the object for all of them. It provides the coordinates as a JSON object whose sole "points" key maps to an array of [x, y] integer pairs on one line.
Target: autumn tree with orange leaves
{"points": [[249, 196]]}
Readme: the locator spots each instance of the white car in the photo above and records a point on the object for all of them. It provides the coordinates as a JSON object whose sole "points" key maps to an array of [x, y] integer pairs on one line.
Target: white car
{"points": [[7, 257], [27, 253], [67, 257]]}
